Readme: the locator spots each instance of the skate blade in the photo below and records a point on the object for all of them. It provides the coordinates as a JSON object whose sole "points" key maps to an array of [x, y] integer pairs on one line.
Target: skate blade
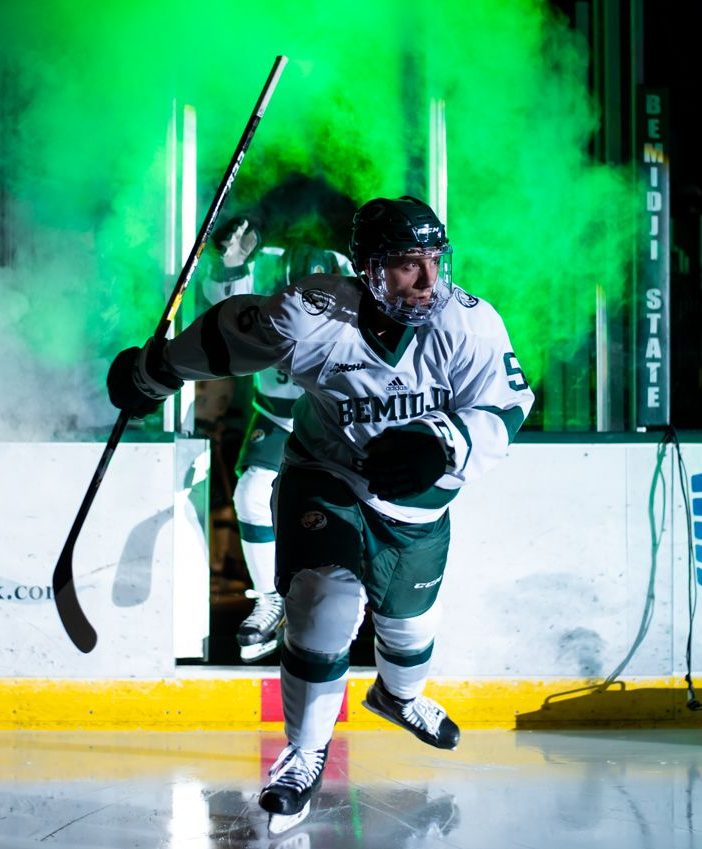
{"points": [[280, 823], [257, 650], [383, 715]]}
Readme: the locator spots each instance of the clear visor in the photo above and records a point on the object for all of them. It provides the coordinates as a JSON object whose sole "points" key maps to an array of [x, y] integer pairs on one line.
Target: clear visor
{"points": [[410, 310]]}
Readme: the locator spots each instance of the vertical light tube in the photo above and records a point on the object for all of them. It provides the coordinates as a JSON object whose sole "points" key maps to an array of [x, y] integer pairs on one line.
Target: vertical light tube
{"points": [[188, 232], [191, 573], [188, 203], [603, 410], [170, 229], [438, 159]]}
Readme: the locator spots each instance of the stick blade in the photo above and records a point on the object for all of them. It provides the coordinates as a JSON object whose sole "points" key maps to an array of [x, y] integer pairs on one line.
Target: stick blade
{"points": [[75, 622]]}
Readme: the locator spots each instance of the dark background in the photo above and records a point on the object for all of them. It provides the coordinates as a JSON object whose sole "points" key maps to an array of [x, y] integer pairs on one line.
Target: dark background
{"points": [[657, 44]]}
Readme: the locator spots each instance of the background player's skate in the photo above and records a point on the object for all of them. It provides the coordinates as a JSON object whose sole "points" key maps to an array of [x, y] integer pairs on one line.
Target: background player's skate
{"points": [[261, 633]]}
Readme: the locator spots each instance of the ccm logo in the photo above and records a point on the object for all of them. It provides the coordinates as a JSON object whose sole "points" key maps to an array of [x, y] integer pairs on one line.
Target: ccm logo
{"points": [[425, 585]]}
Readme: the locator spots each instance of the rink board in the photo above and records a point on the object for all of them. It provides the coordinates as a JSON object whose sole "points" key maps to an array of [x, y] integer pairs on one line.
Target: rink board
{"points": [[140, 562], [551, 574], [244, 702]]}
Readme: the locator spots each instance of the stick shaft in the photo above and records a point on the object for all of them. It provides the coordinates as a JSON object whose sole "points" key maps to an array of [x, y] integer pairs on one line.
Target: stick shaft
{"points": [[220, 195]]}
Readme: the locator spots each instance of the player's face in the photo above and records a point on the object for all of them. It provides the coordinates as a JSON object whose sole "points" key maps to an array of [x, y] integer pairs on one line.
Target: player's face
{"points": [[412, 276]]}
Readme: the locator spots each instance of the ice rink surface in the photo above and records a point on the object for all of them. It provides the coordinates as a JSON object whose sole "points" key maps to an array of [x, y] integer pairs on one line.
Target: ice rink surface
{"points": [[382, 790]]}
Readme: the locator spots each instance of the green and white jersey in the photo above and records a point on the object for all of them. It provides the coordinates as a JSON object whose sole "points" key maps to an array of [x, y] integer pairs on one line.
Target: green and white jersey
{"points": [[458, 375], [271, 270]]}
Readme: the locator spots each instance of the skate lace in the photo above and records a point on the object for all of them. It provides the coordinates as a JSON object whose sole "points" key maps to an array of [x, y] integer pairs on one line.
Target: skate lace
{"points": [[297, 768], [424, 712], [268, 608]]}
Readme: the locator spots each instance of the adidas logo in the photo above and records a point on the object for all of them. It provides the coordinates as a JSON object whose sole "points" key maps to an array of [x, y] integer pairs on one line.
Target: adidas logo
{"points": [[396, 385]]}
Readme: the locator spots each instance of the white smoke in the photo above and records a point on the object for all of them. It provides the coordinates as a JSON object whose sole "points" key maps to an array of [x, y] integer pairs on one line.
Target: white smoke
{"points": [[51, 370]]}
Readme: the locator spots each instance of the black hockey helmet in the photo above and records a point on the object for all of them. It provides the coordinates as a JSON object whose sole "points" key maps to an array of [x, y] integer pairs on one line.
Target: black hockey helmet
{"points": [[383, 225], [384, 228]]}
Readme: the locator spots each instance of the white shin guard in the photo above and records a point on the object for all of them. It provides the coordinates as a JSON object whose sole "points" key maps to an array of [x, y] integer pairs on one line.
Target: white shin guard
{"points": [[409, 641], [311, 709], [324, 610], [252, 503]]}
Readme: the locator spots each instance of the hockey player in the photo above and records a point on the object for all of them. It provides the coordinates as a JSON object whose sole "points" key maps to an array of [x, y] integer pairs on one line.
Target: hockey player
{"points": [[411, 391], [242, 265]]}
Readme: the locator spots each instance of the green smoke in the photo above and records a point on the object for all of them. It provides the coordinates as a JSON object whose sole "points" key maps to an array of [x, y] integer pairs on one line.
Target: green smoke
{"points": [[539, 225], [536, 224]]}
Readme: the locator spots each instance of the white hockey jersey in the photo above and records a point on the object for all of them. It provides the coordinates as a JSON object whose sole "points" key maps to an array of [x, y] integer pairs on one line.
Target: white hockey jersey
{"points": [[269, 272], [458, 375]]}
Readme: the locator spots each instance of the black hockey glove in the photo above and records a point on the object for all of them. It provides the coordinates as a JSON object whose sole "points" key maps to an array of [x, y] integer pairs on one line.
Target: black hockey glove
{"points": [[122, 386], [403, 461]]}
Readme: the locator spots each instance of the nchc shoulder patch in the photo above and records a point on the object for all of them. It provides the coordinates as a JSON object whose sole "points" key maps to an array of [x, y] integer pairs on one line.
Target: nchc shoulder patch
{"points": [[316, 301], [464, 298]]}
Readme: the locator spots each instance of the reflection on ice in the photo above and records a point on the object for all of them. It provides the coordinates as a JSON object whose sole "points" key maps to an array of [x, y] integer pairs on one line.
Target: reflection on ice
{"points": [[381, 790]]}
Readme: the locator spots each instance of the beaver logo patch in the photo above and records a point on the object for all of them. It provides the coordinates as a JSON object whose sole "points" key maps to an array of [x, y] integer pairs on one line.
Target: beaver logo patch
{"points": [[315, 301], [313, 520], [465, 299]]}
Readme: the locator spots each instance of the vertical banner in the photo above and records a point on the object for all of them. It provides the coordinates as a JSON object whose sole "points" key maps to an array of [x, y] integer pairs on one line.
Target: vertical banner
{"points": [[653, 268]]}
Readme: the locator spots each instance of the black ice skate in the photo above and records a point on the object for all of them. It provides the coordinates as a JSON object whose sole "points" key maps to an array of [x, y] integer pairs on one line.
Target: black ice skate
{"points": [[261, 632], [422, 716], [295, 776]]}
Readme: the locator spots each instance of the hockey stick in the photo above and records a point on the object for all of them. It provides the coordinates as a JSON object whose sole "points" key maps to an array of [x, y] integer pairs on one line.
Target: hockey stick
{"points": [[74, 620]]}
